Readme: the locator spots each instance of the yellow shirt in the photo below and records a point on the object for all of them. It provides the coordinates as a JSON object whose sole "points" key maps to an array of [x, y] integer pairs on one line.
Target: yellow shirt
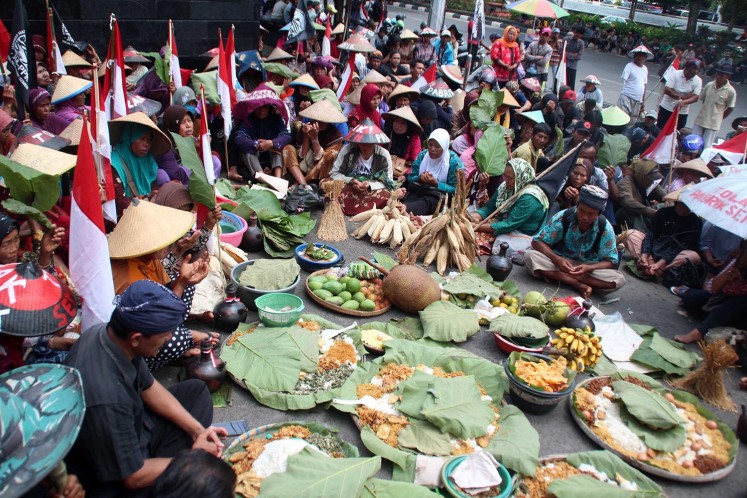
{"points": [[527, 152]]}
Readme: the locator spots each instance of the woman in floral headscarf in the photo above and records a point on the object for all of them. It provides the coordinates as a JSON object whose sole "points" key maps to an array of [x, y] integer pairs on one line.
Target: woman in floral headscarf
{"points": [[521, 218], [506, 55]]}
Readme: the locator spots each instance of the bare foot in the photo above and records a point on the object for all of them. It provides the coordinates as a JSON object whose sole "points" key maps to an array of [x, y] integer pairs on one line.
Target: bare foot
{"points": [[584, 290], [234, 176], [690, 337]]}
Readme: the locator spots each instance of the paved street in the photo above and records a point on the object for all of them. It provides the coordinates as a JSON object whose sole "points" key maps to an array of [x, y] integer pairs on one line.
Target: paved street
{"points": [[641, 17]]}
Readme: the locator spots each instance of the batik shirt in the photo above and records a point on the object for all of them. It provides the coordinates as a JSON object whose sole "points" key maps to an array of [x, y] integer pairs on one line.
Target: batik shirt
{"points": [[578, 245]]}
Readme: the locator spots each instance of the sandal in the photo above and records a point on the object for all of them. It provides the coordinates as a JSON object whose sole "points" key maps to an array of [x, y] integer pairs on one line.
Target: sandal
{"points": [[679, 290]]}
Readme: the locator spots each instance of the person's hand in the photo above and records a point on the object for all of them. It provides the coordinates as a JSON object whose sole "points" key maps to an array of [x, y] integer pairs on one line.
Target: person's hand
{"points": [[550, 105], [509, 141], [571, 193], [564, 265], [265, 145], [73, 489], [580, 270], [313, 132], [172, 87], [131, 86], [213, 217], [52, 240], [483, 179], [609, 172], [209, 440], [192, 272], [304, 105], [429, 179], [61, 343], [9, 95], [358, 186], [185, 243]]}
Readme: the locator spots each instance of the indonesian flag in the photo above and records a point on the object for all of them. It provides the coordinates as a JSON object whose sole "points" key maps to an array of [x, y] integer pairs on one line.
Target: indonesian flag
{"points": [[115, 93], [175, 73], [733, 150], [662, 150], [231, 63], [347, 78], [102, 151], [90, 268], [669, 73], [224, 89], [204, 144], [560, 74], [327, 40], [4, 42], [53, 50], [429, 76], [363, 12]]}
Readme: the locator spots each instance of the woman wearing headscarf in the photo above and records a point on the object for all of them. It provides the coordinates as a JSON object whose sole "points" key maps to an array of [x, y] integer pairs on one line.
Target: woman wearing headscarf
{"points": [[577, 177], [522, 217], [433, 174], [427, 115], [7, 138], [506, 55], [366, 168], [403, 130], [69, 100], [40, 109], [636, 191], [368, 108]]}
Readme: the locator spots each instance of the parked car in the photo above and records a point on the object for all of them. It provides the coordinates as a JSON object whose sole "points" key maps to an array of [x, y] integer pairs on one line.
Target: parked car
{"points": [[613, 19]]}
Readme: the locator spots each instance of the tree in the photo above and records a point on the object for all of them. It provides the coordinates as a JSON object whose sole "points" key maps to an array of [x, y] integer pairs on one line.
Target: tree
{"points": [[692, 18], [633, 6]]}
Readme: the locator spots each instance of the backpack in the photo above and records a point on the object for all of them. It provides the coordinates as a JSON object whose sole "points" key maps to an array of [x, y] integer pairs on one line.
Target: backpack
{"points": [[566, 220]]}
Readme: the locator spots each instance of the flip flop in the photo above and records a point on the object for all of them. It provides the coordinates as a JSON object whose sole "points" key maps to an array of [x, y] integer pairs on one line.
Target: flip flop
{"points": [[679, 290]]}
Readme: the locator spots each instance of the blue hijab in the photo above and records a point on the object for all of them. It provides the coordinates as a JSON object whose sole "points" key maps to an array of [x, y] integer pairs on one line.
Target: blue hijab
{"points": [[143, 169]]}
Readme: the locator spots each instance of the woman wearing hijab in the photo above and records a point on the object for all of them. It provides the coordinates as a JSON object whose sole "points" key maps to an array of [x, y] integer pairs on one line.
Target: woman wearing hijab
{"points": [[506, 55], [405, 146], [427, 115], [577, 177], [7, 138], [433, 173], [368, 107], [40, 106], [520, 219]]}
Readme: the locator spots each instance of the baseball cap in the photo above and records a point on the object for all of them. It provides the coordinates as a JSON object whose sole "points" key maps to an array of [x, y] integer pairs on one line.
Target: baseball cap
{"points": [[568, 96], [545, 31], [651, 114], [583, 126], [638, 135]]}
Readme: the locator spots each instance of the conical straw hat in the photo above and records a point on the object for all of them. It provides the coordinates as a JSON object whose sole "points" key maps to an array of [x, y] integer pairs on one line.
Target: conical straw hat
{"points": [[278, 54], [73, 131], [508, 99], [43, 159], [161, 143], [71, 59], [453, 73], [305, 80], [437, 90], [146, 227], [323, 111], [355, 97], [614, 116], [339, 29], [68, 87], [375, 77], [357, 43], [402, 90], [408, 35], [696, 164], [675, 196], [367, 133], [403, 113], [213, 64]]}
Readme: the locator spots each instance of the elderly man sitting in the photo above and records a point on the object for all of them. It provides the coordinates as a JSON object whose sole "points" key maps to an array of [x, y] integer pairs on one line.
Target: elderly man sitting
{"points": [[577, 247]]}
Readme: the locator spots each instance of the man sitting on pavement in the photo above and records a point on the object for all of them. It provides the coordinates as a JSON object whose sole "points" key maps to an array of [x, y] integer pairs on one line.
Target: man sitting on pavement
{"points": [[133, 425], [577, 247]]}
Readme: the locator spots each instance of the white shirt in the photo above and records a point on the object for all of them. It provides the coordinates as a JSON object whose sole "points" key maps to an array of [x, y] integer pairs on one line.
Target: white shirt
{"points": [[680, 85], [634, 81]]}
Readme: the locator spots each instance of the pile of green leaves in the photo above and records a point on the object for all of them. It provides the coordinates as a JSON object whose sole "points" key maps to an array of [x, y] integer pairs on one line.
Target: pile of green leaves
{"points": [[269, 361], [472, 284], [603, 461], [513, 326], [269, 274], [31, 192], [446, 322], [440, 408], [662, 354]]}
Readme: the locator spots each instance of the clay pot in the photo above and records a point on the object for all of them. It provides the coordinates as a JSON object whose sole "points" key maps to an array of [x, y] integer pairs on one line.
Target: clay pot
{"points": [[500, 266], [253, 238], [583, 320], [231, 312], [208, 367]]}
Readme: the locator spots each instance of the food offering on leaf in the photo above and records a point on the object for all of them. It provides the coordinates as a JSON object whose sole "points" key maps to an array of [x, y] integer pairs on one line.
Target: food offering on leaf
{"points": [[256, 455], [374, 338], [319, 253], [548, 376], [582, 346], [596, 473], [348, 292], [665, 433]]}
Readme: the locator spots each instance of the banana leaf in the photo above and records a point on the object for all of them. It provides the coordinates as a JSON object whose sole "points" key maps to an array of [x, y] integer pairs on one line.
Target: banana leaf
{"points": [[614, 151], [29, 186], [330, 476], [648, 407], [514, 326], [199, 188], [643, 330], [670, 351], [447, 322], [263, 202], [209, 81], [492, 153], [660, 440], [456, 406], [19, 208], [380, 488]]}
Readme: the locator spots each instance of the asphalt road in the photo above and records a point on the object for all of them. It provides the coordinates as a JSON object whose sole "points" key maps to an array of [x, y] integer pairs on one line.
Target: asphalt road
{"points": [[601, 9]]}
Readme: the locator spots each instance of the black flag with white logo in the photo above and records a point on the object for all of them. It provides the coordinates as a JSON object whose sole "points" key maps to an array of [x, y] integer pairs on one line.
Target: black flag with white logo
{"points": [[301, 27], [21, 60]]}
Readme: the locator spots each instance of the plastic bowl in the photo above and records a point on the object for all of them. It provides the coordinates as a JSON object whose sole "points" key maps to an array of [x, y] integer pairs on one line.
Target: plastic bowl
{"points": [[533, 400], [509, 347], [448, 468], [311, 265], [247, 295], [239, 227], [269, 304]]}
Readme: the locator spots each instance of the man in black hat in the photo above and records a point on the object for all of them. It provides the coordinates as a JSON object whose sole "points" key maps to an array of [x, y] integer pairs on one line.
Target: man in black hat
{"points": [[133, 425], [640, 140], [577, 247], [719, 99], [581, 132]]}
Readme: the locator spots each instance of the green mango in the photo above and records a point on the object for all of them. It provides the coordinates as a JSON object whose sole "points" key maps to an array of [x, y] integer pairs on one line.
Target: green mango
{"points": [[323, 294], [333, 286], [337, 301], [353, 285], [368, 305], [345, 295], [359, 296], [315, 285], [351, 305]]}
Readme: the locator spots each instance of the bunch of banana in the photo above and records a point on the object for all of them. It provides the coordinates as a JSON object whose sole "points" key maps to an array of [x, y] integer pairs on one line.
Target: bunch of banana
{"points": [[582, 345]]}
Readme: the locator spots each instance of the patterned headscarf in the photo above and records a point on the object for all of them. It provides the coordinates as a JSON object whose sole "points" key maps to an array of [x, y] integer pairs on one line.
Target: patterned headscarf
{"points": [[524, 174]]}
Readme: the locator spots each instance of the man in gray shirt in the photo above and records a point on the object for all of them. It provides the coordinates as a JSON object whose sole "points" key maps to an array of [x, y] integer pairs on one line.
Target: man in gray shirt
{"points": [[538, 54], [574, 50]]}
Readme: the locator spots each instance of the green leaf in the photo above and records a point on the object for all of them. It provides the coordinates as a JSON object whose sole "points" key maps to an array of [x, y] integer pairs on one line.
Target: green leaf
{"points": [[659, 440], [516, 444], [482, 112], [492, 153], [644, 354], [603, 367], [330, 476], [467, 283], [19, 208], [380, 488], [209, 81], [585, 486], [673, 354], [161, 66], [387, 262], [270, 274], [614, 150], [642, 330], [225, 188], [264, 203], [399, 458], [509, 325], [425, 438], [29, 186], [478, 271], [614, 466], [444, 321], [455, 406], [650, 408], [307, 343], [199, 188], [413, 392], [510, 287], [557, 149]]}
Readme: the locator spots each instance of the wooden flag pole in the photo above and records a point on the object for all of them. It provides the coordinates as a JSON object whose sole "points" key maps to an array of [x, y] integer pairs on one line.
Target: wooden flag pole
{"points": [[675, 113]]}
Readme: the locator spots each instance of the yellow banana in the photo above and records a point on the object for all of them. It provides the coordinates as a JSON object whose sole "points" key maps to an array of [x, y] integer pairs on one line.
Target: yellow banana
{"points": [[574, 365]]}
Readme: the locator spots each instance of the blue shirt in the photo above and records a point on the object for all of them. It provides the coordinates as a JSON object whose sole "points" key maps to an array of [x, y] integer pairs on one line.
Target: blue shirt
{"points": [[578, 245]]}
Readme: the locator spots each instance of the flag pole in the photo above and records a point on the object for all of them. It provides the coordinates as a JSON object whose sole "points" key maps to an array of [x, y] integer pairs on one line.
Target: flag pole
{"points": [[674, 146], [517, 194]]}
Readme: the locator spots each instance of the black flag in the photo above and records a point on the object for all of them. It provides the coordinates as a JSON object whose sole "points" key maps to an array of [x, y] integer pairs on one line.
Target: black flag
{"points": [[554, 180], [64, 38], [21, 60], [301, 27]]}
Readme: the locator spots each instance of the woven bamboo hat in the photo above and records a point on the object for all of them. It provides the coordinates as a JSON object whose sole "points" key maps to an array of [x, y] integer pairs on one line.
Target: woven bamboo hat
{"points": [[437, 89], [355, 97], [508, 98], [73, 131], [357, 43], [374, 77], [402, 90], [278, 54], [675, 196], [161, 143], [339, 29], [68, 87], [323, 111], [367, 133], [697, 165], [614, 116], [43, 159], [71, 59], [403, 113], [452, 72], [305, 80], [213, 64], [408, 35], [145, 228]]}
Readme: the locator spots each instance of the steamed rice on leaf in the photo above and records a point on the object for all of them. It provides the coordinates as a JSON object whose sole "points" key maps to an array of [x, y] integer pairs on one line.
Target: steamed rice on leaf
{"points": [[270, 274]]}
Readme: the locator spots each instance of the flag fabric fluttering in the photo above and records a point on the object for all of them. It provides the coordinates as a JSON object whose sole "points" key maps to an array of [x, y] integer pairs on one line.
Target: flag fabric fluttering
{"points": [[478, 21], [90, 267], [363, 13], [554, 180], [662, 150], [4, 42], [115, 86], [224, 89], [301, 27], [327, 40], [733, 150], [204, 144], [231, 64], [560, 73], [669, 73], [429, 76], [21, 59], [66, 40], [347, 78], [54, 57], [102, 152], [175, 74]]}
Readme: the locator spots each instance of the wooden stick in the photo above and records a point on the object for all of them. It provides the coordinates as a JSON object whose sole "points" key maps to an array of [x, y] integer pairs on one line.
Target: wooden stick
{"points": [[517, 194], [674, 146]]}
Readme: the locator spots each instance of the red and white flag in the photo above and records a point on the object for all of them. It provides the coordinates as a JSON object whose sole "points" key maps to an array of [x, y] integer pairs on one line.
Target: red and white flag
{"points": [[560, 74], [662, 150], [669, 73], [429, 76], [175, 73], [224, 89], [231, 63], [53, 50], [364, 13], [204, 144], [327, 40], [347, 78], [102, 152], [733, 150], [90, 268], [115, 86]]}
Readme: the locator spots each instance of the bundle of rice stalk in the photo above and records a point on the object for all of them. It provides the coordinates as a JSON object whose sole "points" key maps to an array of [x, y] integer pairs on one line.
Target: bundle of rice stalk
{"points": [[707, 380], [332, 224]]}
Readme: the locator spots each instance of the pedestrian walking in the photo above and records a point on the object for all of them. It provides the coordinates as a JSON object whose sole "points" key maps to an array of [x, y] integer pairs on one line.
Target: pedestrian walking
{"points": [[635, 77], [573, 53]]}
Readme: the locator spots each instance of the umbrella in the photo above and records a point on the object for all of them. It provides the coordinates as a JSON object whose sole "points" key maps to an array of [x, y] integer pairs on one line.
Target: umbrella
{"points": [[538, 8], [721, 201], [33, 302]]}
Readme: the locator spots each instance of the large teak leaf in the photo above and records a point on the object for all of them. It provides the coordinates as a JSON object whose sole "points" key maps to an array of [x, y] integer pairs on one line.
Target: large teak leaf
{"points": [[444, 321], [648, 407], [492, 152], [456, 407]]}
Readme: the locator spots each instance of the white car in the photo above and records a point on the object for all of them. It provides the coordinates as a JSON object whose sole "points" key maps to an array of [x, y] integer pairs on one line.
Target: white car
{"points": [[613, 19]]}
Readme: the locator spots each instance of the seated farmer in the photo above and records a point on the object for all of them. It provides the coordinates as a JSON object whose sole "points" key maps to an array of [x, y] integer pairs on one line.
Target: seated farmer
{"points": [[133, 425], [531, 150], [577, 247]]}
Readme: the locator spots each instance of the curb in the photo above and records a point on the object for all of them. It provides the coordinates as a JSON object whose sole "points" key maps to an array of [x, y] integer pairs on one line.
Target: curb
{"points": [[463, 17]]}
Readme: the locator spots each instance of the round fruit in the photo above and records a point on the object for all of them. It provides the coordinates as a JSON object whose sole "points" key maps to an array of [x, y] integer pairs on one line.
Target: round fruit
{"points": [[351, 304], [353, 285], [359, 296], [558, 314], [318, 278], [532, 301], [344, 279], [315, 285], [345, 295], [367, 305], [333, 286]]}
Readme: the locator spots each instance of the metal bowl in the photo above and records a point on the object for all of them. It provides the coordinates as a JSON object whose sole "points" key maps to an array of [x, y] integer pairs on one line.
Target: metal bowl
{"points": [[534, 400]]}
